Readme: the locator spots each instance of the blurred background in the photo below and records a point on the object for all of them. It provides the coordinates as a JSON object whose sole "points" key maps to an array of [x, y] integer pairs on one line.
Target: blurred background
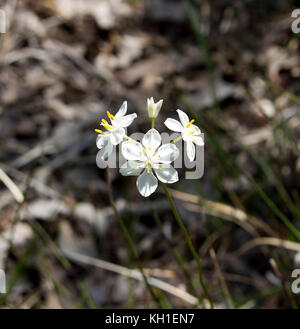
{"points": [[234, 67]]}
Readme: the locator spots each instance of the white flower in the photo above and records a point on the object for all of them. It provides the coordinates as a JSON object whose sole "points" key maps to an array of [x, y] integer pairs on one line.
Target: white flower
{"points": [[115, 131], [148, 157], [153, 108], [189, 132]]}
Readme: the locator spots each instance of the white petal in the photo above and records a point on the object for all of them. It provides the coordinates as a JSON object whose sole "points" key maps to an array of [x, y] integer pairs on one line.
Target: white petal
{"points": [[198, 140], [157, 108], [190, 150], [167, 175], [133, 150], [146, 183], [173, 125], [117, 135], [196, 129], [189, 133], [183, 118], [102, 140], [124, 121], [122, 111], [151, 141], [107, 150], [132, 168], [167, 153], [150, 107]]}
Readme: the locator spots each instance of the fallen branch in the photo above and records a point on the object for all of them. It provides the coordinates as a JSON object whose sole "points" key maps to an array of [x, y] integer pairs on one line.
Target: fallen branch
{"points": [[224, 211], [275, 242], [133, 274], [15, 191]]}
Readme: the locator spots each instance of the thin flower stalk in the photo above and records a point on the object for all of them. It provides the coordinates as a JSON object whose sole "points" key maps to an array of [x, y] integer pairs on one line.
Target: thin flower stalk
{"points": [[130, 241], [151, 162], [176, 255], [189, 242]]}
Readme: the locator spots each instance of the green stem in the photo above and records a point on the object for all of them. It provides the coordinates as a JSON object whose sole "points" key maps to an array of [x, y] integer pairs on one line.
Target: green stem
{"points": [[189, 242], [223, 283], [130, 241], [152, 122], [176, 255], [177, 140]]}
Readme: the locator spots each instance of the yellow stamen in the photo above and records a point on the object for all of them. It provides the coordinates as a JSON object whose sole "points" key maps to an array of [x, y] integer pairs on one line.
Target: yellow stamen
{"points": [[159, 168], [104, 121], [110, 115], [149, 148], [148, 171], [101, 135], [189, 124], [107, 126], [128, 138], [98, 131]]}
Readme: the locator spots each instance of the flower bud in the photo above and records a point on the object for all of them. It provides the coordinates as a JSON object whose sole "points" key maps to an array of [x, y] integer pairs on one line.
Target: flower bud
{"points": [[153, 108]]}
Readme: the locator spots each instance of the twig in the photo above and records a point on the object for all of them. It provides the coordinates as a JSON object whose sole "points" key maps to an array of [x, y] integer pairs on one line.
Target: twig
{"points": [[133, 274], [15, 191], [223, 211], [214, 212], [294, 246]]}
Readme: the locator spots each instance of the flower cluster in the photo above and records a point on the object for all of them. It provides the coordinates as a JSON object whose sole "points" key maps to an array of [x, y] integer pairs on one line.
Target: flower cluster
{"points": [[149, 160]]}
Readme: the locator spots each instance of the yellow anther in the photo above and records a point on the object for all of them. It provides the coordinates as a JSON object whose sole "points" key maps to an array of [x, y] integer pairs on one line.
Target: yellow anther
{"points": [[98, 131], [149, 148], [189, 124], [107, 126], [101, 135], [110, 115], [159, 168], [128, 138], [148, 171]]}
